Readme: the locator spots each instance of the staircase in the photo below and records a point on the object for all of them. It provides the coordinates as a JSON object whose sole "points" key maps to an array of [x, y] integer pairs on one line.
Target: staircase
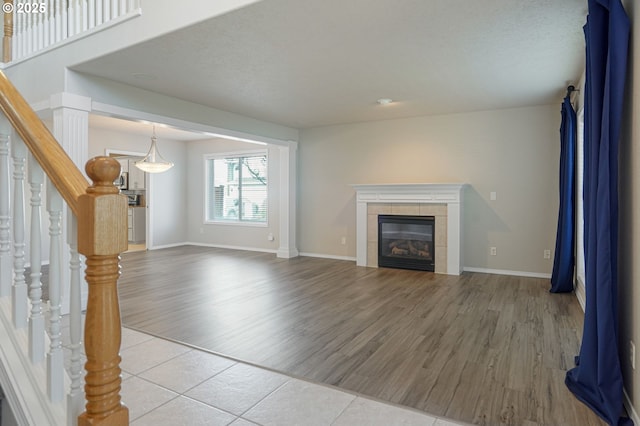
{"points": [[36, 384]]}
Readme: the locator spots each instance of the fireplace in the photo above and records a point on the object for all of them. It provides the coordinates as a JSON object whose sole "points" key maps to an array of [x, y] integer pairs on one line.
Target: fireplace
{"points": [[406, 242], [442, 200]]}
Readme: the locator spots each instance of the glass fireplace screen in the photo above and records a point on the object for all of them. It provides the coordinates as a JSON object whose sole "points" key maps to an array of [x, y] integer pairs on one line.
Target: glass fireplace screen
{"points": [[406, 242]]}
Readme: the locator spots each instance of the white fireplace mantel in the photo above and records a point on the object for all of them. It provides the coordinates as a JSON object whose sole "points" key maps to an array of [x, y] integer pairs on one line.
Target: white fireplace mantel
{"points": [[421, 193]]}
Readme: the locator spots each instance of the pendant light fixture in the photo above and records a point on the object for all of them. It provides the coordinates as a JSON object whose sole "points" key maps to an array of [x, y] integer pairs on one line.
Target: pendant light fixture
{"points": [[153, 162]]}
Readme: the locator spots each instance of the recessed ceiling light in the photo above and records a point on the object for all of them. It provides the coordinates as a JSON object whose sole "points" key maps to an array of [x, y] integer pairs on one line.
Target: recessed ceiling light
{"points": [[384, 101]]}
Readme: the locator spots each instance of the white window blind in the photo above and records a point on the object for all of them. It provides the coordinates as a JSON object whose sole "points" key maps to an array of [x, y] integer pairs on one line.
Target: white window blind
{"points": [[236, 188]]}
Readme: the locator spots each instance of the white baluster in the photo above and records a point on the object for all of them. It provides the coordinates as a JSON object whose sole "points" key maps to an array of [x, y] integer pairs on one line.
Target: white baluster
{"points": [[99, 12], [16, 40], [64, 22], [114, 9], [19, 289], [19, 36], [106, 16], [58, 21], [5, 217], [39, 18], [75, 398], [15, 51], [85, 15], [55, 359], [29, 27], [91, 16], [77, 16], [36, 319], [71, 18], [46, 24], [51, 12], [123, 7]]}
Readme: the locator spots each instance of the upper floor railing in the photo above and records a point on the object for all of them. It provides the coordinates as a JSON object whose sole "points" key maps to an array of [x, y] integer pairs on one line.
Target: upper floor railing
{"points": [[31, 26], [40, 390]]}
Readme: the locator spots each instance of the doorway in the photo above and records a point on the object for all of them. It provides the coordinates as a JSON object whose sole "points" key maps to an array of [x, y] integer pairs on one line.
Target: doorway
{"points": [[134, 183]]}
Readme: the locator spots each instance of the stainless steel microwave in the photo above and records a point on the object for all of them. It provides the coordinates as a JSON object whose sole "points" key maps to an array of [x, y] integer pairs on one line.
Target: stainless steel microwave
{"points": [[123, 181]]}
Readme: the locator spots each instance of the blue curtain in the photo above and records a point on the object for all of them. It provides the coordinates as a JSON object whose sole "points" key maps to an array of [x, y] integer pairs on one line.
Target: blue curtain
{"points": [[597, 379], [564, 259]]}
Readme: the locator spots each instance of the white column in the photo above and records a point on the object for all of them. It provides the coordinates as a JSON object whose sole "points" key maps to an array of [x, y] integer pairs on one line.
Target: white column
{"points": [[71, 129], [288, 168], [454, 239], [361, 233], [71, 125]]}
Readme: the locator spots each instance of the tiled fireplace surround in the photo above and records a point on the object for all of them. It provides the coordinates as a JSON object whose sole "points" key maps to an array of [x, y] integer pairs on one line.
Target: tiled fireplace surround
{"points": [[443, 201]]}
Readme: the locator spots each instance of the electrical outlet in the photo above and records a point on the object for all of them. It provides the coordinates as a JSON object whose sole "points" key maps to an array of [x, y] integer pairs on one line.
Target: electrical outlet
{"points": [[493, 251], [547, 254], [343, 241], [632, 354], [493, 196]]}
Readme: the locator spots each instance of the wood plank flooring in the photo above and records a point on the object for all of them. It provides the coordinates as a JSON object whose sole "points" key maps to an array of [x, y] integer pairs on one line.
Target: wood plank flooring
{"points": [[480, 348]]}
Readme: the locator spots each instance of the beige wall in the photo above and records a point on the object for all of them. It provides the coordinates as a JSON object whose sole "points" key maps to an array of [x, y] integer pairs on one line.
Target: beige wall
{"points": [[629, 192], [514, 152], [245, 236]]}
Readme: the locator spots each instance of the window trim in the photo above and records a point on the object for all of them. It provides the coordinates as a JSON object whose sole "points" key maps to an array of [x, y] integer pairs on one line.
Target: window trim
{"points": [[233, 154]]}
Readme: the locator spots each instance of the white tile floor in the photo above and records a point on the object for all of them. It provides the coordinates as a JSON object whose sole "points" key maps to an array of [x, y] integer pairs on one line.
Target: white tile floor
{"points": [[165, 383]]}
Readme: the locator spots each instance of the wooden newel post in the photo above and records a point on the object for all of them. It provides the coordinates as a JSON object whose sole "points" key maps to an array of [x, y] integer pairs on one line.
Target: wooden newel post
{"points": [[102, 236], [7, 54]]}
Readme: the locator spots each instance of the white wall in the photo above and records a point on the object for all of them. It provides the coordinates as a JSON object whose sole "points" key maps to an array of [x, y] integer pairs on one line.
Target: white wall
{"points": [[230, 235], [514, 152]]}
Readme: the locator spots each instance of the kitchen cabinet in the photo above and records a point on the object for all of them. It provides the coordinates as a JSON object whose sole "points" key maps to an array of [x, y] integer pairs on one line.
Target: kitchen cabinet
{"points": [[136, 176], [137, 224]]}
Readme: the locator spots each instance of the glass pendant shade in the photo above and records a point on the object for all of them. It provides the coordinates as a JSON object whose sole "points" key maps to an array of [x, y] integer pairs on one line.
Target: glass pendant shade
{"points": [[153, 162]]}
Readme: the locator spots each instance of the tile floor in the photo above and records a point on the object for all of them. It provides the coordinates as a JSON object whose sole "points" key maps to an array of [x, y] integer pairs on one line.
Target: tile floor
{"points": [[165, 383]]}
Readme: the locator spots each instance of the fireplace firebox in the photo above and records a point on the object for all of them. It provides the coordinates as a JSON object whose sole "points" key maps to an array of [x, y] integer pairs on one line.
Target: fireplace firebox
{"points": [[406, 242]]}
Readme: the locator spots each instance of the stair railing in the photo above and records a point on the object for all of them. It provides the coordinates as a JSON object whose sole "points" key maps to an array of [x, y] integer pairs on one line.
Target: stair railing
{"points": [[32, 372], [31, 26]]}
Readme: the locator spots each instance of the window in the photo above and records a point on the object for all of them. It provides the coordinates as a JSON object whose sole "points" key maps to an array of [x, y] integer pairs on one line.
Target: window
{"points": [[236, 188]]}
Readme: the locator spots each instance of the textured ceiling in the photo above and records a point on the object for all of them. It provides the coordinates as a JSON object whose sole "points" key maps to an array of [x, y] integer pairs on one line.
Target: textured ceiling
{"points": [[308, 63]]}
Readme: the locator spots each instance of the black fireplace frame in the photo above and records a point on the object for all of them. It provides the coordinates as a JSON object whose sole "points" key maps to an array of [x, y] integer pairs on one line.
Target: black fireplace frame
{"points": [[407, 262]]}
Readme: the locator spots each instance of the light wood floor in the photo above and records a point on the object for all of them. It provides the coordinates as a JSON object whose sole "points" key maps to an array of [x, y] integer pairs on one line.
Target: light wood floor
{"points": [[480, 348]]}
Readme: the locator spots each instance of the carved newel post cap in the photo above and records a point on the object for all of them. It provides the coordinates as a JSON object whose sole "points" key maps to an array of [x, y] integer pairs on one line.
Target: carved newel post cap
{"points": [[103, 171]]}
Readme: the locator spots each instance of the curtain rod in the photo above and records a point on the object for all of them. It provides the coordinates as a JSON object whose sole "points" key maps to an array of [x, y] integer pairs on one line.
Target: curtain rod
{"points": [[572, 88]]}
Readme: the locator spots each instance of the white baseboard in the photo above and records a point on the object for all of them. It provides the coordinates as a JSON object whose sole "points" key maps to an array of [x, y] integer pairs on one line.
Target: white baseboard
{"points": [[224, 246], [581, 293], [287, 253], [630, 409], [506, 272], [328, 256], [168, 246]]}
